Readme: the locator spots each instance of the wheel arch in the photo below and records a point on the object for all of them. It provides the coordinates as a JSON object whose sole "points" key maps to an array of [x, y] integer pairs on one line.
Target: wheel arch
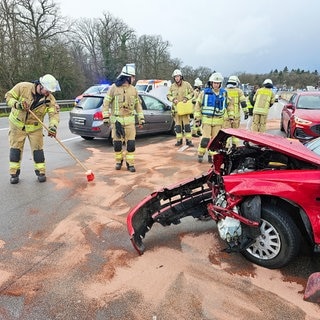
{"points": [[297, 214]]}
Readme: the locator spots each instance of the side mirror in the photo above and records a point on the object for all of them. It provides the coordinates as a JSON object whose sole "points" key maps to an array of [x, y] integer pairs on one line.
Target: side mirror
{"points": [[289, 106]]}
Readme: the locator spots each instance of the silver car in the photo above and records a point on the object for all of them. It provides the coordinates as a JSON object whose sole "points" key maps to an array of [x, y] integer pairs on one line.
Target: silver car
{"points": [[86, 117]]}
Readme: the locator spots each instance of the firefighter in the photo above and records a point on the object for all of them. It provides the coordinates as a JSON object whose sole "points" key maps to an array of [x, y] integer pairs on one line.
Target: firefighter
{"points": [[263, 99], [180, 90], [211, 106], [239, 102], [35, 96], [121, 105], [250, 104], [196, 128]]}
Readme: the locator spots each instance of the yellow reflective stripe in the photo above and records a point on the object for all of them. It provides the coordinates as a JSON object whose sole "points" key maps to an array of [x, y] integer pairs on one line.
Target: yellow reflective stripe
{"points": [[14, 165], [41, 166]]}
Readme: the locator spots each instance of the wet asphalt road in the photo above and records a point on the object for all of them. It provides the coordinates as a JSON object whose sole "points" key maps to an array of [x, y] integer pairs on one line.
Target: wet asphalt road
{"points": [[30, 206]]}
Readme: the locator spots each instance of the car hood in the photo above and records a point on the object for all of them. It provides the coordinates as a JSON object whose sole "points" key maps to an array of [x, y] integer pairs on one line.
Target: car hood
{"points": [[289, 147], [310, 115]]}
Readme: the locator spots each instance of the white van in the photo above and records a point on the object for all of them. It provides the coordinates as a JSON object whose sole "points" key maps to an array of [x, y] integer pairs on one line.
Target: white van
{"points": [[148, 85]]}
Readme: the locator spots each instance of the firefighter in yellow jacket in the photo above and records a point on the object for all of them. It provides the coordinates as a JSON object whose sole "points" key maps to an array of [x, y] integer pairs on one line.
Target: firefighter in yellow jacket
{"points": [[263, 99], [35, 96], [211, 106], [121, 105], [180, 91], [196, 128], [239, 102]]}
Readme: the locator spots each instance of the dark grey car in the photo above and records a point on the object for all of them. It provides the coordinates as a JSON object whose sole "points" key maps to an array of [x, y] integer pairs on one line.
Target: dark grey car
{"points": [[86, 117]]}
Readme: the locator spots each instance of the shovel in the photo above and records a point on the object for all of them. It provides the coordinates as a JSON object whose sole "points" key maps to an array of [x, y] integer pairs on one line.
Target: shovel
{"points": [[89, 173]]}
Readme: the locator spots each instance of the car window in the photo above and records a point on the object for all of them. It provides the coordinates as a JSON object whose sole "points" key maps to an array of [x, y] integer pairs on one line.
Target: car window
{"points": [[309, 102], [89, 103], [314, 145], [153, 104], [141, 87]]}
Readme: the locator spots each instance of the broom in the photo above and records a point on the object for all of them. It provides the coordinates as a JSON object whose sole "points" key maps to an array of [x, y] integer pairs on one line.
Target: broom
{"points": [[89, 173]]}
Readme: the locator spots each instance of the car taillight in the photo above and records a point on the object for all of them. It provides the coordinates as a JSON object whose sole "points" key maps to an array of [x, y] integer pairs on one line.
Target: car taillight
{"points": [[98, 116]]}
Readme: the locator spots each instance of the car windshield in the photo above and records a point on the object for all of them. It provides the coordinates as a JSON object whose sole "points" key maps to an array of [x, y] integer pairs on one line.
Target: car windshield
{"points": [[95, 89], [309, 102], [314, 145], [141, 87], [89, 103]]}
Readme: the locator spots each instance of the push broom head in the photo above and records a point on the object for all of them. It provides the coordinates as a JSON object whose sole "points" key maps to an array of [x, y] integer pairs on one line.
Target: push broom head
{"points": [[90, 175]]}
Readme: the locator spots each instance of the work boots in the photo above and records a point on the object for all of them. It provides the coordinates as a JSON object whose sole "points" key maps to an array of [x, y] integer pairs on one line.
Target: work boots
{"points": [[131, 168], [119, 165], [41, 176], [189, 143], [178, 143], [14, 179]]}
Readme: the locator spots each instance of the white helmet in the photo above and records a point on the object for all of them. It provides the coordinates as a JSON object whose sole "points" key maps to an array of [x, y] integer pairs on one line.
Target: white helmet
{"points": [[176, 72], [267, 81], [50, 83], [216, 77], [234, 79], [128, 70], [197, 83]]}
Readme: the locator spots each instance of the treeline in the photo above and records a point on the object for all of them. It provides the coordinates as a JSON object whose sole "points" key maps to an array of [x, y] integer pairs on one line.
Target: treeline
{"points": [[36, 39]]}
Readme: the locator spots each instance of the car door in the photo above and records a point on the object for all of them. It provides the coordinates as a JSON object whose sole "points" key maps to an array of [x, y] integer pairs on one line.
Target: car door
{"points": [[157, 115], [288, 111]]}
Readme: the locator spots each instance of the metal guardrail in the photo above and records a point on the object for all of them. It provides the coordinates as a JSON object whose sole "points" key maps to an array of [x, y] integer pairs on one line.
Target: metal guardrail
{"points": [[5, 109]]}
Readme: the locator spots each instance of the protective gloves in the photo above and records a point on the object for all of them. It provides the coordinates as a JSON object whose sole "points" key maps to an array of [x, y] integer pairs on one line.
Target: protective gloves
{"points": [[141, 122], [106, 120], [52, 131], [22, 105], [246, 116]]}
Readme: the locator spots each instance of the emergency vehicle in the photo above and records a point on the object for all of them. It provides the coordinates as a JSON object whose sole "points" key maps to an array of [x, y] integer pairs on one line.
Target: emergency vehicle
{"points": [[151, 84]]}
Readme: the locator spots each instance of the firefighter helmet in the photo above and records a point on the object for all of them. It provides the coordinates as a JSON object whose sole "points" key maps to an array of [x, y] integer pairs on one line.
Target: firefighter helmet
{"points": [[128, 70], [267, 81], [50, 83], [216, 77], [197, 83], [176, 72], [234, 79]]}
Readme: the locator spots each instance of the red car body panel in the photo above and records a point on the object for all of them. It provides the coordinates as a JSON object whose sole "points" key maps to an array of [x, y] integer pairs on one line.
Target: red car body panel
{"points": [[288, 185], [296, 184], [292, 147]]}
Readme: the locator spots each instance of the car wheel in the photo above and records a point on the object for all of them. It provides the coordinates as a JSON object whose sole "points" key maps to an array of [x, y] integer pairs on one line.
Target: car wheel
{"points": [[172, 131], [87, 138], [279, 241]]}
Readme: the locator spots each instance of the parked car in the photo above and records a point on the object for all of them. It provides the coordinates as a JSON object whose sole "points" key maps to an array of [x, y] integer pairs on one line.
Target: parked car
{"points": [[97, 88], [263, 196], [300, 117], [86, 117]]}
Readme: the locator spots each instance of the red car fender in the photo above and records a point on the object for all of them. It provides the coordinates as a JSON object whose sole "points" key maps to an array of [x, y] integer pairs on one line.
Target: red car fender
{"points": [[292, 186]]}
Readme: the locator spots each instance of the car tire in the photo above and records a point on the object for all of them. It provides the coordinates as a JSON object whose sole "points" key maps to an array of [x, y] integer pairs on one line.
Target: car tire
{"points": [[279, 241], [172, 130], [87, 138]]}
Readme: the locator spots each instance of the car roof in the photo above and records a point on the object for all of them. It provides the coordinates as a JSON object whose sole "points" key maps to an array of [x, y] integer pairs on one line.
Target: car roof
{"points": [[141, 93], [308, 93], [291, 147]]}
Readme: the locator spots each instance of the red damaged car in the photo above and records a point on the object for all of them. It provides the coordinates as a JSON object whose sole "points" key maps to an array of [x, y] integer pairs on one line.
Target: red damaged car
{"points": [[263, 195]]}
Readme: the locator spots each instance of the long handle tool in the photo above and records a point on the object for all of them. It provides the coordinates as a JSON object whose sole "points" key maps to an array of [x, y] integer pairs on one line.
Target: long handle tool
{"points": [[89, 173]]}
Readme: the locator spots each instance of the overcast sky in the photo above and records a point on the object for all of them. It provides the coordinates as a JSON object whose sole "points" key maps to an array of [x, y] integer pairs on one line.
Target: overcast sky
{"points": [[229, 36]]}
